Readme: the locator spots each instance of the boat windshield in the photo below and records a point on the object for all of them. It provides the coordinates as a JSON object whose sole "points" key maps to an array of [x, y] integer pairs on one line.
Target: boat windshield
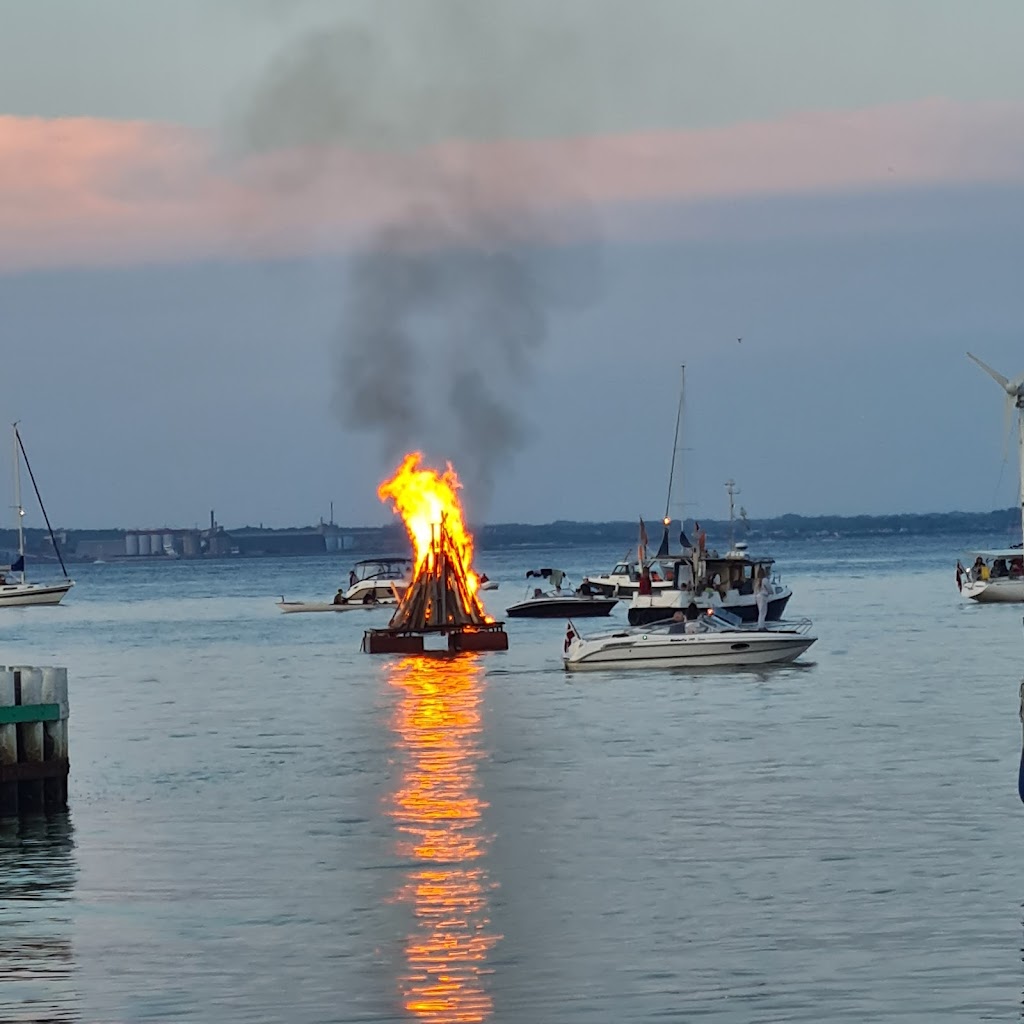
{"points": [[382, 568]]}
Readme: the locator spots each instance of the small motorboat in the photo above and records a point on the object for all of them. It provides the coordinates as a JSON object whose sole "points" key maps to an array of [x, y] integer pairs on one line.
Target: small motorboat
{"points": [[373, 583], [559, 603], [486, 583], [330, 606], [382, 579], [715, 639]]}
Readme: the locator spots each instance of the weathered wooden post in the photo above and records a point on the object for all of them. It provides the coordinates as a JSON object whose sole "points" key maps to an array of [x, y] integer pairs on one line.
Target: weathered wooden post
{"points": [[34, 761]]}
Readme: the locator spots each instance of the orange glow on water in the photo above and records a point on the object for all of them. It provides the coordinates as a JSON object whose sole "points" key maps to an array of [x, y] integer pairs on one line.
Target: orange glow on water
{"points": [[438, 815]]}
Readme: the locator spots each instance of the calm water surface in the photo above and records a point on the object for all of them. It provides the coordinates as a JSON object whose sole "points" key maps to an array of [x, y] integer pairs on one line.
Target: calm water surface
{"points": [[267, 825]]}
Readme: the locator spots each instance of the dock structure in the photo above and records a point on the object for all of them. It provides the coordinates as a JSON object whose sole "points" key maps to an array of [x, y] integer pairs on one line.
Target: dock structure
{"points": [[34, 762]]}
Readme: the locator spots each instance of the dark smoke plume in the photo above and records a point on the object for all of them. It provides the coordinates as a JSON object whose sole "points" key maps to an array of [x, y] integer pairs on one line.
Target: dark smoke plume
{"points": [[447, 305]]}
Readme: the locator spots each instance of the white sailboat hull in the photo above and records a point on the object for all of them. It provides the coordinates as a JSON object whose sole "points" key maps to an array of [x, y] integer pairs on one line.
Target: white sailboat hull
{"points": [[23, 594], [1003, 590]]}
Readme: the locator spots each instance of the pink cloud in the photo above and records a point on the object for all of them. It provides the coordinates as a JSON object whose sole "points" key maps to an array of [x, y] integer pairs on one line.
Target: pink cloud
{"points": [[92, 192]]}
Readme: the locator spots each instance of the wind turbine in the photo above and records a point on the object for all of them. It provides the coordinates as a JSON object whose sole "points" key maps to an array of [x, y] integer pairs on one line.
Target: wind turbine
{"points": [[1014, 398]]}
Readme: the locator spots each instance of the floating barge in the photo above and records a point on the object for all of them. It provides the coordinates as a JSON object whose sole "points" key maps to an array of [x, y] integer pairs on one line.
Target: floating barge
{"points": [[490, 636]]}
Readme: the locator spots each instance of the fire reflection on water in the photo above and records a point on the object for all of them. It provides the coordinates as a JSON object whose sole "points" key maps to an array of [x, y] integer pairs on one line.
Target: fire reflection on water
{"points": [[438, 815]]}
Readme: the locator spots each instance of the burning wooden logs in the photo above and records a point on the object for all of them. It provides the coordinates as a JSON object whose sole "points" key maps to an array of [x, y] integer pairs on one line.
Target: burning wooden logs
{"points": [[440, 600]]}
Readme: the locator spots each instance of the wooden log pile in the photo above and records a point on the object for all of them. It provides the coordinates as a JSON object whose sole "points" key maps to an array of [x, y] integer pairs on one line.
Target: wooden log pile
{"points": [[439, 595]]}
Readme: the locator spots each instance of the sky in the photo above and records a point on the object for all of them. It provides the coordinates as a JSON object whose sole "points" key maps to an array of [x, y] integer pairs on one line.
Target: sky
{"points": [[251, 251]]}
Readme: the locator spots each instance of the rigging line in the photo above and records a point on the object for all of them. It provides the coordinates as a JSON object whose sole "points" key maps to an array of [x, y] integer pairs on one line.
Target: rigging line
{"points": [[39, 498]]}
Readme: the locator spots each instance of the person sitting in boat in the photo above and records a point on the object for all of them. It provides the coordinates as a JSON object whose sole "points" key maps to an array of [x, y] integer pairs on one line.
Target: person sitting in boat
{"points": [[370, 597], [692, 616], [999, 568], [339, 597], [979, 571], [677, 625], [1017, 567], [3, 580]]}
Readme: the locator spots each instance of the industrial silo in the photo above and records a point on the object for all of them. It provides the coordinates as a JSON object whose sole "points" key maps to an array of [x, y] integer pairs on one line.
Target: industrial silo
{"points": [[145, 545], [131, 544]]}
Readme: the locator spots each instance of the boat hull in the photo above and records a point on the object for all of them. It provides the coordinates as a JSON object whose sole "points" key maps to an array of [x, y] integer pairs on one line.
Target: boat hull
{"points": [[1003, 590], [684, 652], [19, 595], [561, 608], [291, 607], [644, 611], [624, 590]]}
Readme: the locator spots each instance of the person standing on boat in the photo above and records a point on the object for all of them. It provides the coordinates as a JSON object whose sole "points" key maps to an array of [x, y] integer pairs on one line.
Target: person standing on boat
{"points": [[644, 587], [761, 598], [353, 579]]}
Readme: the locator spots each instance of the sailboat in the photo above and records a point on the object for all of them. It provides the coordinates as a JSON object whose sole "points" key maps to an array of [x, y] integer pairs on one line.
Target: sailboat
{"points": [[21, 592], [997, 576], [624, 578]]}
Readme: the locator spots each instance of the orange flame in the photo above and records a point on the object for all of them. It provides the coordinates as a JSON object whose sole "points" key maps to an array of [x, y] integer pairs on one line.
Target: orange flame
{"points": [[424, 498]]}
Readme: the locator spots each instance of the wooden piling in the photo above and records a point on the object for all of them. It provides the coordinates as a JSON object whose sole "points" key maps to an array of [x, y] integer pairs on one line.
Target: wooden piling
{"points": [[34, 760]]}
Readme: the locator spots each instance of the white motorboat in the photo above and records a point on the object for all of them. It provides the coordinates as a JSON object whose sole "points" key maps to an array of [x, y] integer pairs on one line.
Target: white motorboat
{"points": [[624, 579], [21, 593], [706, 642], [373, 583], [330, 606], [559, 602], [997, 577], [381, 580]]}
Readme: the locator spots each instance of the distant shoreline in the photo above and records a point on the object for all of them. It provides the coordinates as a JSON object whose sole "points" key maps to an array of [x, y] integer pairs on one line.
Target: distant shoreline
{"points": [[80, 546]]}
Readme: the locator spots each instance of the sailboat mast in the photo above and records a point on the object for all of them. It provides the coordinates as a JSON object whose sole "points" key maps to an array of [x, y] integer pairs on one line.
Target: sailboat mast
{"points": [[1020, 446], [18, 510], [19, 447], [675, 443]]}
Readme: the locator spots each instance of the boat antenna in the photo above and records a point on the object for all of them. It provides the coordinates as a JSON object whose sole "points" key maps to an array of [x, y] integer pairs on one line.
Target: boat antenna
{"points": [[663, 548], [730, 486], [39, 498]]}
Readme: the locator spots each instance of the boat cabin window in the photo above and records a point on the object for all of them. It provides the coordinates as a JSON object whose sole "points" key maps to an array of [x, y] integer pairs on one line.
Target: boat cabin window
{"points": [[622, 569], [387, 570]]}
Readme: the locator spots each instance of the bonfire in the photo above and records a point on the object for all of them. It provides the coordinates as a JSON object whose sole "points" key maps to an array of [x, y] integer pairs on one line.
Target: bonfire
{"points": [[442, 597]]}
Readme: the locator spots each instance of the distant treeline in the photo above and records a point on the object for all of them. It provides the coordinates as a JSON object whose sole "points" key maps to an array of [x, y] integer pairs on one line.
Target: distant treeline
{"points": [[1003, 524], [997, 524]]}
